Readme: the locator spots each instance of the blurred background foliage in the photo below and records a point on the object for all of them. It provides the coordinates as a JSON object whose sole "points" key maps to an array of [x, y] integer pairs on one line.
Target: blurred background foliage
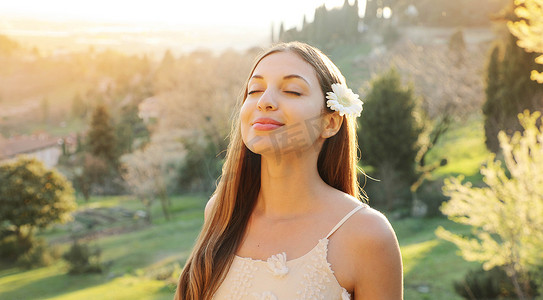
{"points": [[141, 139]]}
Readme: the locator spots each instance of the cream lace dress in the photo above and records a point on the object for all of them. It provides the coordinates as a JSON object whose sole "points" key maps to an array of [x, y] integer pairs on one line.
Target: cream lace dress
{"points": [[306, 277]]}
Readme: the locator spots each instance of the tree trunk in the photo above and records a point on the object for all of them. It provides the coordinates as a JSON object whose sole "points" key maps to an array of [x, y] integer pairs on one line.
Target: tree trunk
{"points": [[164, 203], [518, 289], [24, 242]]}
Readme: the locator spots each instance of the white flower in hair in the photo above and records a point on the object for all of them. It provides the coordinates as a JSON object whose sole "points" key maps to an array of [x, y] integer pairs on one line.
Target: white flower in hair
{"points": [[343, 100]]}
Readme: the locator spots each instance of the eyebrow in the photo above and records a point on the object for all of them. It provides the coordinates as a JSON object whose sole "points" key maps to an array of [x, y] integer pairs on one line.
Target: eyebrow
{"points": [[296, 76], [291, 76]]}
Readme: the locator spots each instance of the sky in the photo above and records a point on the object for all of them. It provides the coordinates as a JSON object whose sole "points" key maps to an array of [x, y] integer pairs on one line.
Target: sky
{"points": [[227, 14]]}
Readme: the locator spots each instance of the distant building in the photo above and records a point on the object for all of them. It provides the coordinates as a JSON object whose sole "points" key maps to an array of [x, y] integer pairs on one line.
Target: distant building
{"points": [[43, 147]]}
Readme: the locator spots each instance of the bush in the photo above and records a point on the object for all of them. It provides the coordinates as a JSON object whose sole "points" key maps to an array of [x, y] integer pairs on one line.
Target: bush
{"points": [[390, 193], [40, 255], [32, 196], [82, 259], [491, 284], [430, 193], [505, 214], [11, 247], [201, 166]]}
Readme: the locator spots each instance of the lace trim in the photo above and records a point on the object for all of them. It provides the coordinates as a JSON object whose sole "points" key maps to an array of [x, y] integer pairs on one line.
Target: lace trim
{"points": [[345, 295], [241, 281], [265, 296], [317, 273]]}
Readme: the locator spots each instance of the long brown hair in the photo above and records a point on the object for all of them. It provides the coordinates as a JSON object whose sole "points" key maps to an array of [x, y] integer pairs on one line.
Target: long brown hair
{"points": [[239, 185]]}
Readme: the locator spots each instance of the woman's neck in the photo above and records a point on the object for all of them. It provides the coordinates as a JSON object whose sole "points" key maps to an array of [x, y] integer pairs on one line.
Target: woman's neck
{"points": [[289, 187]]}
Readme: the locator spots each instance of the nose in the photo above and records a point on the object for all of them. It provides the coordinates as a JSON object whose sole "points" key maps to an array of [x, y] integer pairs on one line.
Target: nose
{"points": [[266, 101]]}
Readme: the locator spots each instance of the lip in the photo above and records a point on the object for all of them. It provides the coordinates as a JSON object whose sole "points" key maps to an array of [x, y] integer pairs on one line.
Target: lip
{"points": [[266, 124]]}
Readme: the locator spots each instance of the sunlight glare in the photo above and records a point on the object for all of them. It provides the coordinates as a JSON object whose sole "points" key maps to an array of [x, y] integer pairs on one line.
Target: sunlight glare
{"points": [[235, 13]]}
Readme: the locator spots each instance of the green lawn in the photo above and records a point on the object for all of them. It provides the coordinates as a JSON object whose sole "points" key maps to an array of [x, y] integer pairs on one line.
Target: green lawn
{"points": [[464, 148], [135, 259], [430, 264], [345, 57]]}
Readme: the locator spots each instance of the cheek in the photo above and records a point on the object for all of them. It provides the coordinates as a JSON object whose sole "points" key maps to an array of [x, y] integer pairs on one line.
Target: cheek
{"points": [[244, 113], [245, 119]]}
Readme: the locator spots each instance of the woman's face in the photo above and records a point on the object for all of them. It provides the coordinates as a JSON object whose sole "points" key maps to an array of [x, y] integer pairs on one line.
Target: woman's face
{"points": [[282, 111]]}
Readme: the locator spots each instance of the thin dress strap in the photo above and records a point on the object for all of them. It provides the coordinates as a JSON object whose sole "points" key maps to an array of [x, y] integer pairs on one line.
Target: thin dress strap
{"points": [[344, 219]]}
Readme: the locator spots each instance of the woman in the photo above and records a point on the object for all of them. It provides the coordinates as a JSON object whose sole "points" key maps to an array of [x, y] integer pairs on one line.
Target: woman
{"points": [[285, 221]]}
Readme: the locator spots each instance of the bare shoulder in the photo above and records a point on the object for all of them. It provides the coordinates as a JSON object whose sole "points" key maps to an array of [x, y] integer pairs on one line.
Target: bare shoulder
{"points": [[368, 224], [373, 250], [209, 206]]}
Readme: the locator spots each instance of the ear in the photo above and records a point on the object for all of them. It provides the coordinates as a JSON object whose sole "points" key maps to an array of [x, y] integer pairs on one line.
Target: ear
{"points": [[332, 124]]}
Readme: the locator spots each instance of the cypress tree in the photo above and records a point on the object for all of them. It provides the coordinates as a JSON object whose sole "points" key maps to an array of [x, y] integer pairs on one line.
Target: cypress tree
{"points": [[512, 92], [79, 108], [101, 140], [490, 108], [129, 129], [388, 129]]}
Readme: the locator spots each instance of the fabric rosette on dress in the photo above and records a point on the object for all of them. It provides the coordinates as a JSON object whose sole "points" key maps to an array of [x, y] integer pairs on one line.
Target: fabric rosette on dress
{"points": [[278, 264]]}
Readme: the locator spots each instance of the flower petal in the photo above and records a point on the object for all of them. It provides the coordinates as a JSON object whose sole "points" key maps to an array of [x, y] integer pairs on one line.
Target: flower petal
{"points": [[344, 101]]}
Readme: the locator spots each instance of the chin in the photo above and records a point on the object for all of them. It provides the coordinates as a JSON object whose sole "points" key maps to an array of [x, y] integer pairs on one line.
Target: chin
{"points": [[259, 146]]}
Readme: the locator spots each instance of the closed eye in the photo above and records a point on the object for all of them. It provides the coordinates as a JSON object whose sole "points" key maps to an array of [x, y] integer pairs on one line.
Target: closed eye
{"points": [[254, 92], [293, 93]]}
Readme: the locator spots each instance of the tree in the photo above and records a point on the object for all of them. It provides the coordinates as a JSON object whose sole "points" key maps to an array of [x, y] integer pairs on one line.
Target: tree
{"points": [[101, 139], [512, 90], [151, 171], [457, 45], [32, 196], [529, 30], [491, 109], [506, 213], [79, 108], [389, 130], [201, 107], [45, 109], [100, 162], [165, 77], [130, 129], [460, 91]]}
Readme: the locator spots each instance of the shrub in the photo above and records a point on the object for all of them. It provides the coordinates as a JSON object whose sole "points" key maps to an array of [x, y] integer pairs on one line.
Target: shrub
{"points": [[390, 191], [40, 255], [82, 259], [506, 213], [32, 196], [430, 193], [12, 247], [481, 284], [491, 284]]}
